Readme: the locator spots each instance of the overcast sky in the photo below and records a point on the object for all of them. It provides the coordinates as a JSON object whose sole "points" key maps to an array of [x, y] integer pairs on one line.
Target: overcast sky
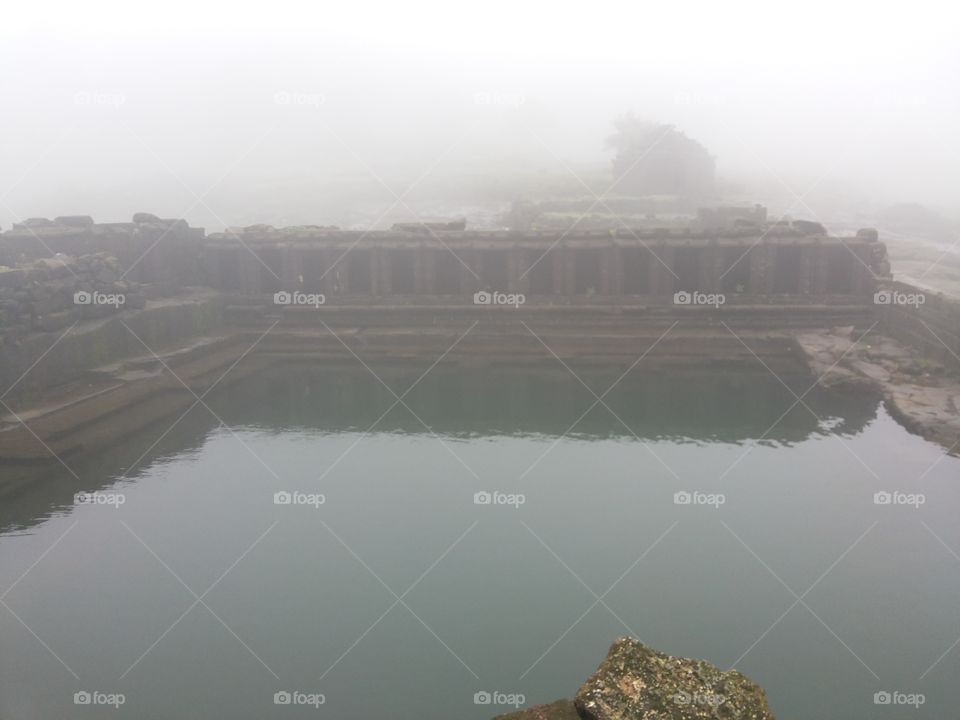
{"points": [[221, 112]]}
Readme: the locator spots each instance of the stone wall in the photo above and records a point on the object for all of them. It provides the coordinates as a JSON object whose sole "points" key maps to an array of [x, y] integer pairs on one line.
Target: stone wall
{"points": [[150, 249], [52, 293], [780, 263]]}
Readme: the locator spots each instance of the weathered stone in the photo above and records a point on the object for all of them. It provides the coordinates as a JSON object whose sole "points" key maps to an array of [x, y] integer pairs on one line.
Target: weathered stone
{"points": [[809, 227], [74, 220], [635, 682], [35, 223]]}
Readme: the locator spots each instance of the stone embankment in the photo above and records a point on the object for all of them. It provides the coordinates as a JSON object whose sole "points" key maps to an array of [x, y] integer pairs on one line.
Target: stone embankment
{"points": [[91, 313], [921, 392], [635, 682]]}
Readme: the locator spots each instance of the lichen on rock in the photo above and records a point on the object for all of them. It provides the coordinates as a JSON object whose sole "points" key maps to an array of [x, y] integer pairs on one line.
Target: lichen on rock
{"points": [[635, 682]]}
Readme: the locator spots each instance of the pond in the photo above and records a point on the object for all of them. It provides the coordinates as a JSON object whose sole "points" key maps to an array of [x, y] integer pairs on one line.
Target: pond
{"points": [[305, 533]]}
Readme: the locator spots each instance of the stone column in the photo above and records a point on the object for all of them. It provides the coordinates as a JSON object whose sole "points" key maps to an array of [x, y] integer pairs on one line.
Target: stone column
{"points": [[424, 271], [862, 280], [568, 270], [556, 264], [249, 271], [707, 278], [609, 280], [760, 271], [720, 267], [289, 267], [820, 264], [323, 260], [383, 257], [469, 284], [516, 264], [808, 256], [662, 281], [375, 279]]}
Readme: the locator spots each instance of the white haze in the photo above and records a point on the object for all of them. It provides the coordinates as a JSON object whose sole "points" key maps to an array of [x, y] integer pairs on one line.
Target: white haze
{"points": [[114, 107]]}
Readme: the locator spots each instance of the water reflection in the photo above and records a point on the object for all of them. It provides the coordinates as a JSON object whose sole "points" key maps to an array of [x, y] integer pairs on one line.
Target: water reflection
{"points": [[685, 406]]}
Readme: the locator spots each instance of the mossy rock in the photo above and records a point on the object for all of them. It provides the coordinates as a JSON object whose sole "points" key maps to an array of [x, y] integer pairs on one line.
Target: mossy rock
{"points": [[635, 682]]}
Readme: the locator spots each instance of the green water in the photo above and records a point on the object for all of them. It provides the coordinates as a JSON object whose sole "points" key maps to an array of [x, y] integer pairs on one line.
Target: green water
{"points": [[492, 597]]}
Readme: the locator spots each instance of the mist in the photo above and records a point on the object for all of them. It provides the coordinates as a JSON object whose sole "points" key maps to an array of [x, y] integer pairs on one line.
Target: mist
{"points": [[228, 115]]}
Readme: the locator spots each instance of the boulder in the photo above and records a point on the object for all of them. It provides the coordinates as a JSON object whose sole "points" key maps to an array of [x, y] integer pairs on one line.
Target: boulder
{"points": [[74, 220], [635, 682], [142, 217]]}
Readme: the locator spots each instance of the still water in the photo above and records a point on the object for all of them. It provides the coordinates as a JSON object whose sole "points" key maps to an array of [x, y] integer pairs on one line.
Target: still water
{"points": [[690, 511]]}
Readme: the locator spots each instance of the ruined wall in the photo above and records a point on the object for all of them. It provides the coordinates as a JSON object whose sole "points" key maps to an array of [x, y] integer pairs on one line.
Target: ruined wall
{"points": [[51, 293], [150, 249], [781, 279], [608, 264]]}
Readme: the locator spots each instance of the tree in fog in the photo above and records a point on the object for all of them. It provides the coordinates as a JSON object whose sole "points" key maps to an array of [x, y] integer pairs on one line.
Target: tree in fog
{"points": [[656, 159]]}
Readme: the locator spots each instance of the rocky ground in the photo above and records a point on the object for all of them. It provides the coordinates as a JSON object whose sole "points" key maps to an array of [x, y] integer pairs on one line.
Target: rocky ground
{"points": [[635, 682], [921, 393]]}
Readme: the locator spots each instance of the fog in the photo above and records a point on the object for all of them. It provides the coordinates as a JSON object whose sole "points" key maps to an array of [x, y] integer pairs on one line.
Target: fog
{"points": [[229, 114]]}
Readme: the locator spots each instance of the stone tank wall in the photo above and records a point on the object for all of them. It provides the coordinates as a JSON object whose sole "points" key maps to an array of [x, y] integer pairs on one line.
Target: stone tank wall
{"points": [[779, 263]]}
